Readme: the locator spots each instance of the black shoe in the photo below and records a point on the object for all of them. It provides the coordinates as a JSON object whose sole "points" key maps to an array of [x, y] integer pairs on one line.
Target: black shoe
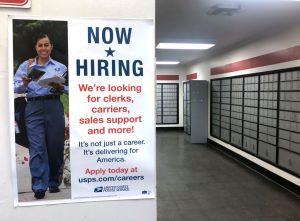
{"points": [[54, 189], [39, 194]]}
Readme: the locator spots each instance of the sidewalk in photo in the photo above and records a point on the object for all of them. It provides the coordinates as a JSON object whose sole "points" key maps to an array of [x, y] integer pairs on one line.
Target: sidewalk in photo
{"points": [[25, 193]]}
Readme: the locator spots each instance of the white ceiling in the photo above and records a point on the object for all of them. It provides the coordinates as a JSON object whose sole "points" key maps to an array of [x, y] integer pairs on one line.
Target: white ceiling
{"points": [[188, 21]]}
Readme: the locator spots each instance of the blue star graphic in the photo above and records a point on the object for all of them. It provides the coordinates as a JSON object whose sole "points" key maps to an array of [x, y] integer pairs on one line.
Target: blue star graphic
{"points": [[109, 52]]}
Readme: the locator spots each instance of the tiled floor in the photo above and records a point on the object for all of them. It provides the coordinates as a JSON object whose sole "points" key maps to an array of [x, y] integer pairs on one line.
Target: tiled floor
{"points": [[196, 182]]}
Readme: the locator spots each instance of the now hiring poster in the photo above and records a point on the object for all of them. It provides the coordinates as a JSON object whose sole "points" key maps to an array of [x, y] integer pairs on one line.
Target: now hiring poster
{"points": [[82, 93], [112, 114]]}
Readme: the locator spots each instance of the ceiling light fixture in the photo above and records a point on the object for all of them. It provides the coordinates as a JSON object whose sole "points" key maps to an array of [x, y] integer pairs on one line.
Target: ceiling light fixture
{"points": [[184, 46], [167, 62]]}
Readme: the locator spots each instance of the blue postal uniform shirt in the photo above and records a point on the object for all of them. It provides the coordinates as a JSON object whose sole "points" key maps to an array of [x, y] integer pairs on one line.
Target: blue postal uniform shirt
{"points": [[34, 89]]}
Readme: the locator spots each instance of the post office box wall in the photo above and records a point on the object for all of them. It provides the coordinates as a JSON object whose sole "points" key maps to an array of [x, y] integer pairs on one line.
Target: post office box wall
{"points": [[263, 115]]}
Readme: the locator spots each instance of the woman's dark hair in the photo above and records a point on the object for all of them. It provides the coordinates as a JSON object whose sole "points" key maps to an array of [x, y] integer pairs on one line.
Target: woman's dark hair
{"points": [[41, 36]]}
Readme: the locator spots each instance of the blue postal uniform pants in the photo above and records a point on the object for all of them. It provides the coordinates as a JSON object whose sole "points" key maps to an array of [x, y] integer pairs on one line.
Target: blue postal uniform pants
{"points": [[45, 125]]}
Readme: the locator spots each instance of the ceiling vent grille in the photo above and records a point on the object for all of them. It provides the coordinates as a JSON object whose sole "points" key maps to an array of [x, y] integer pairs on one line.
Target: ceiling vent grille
{"points": [[224, 9]]}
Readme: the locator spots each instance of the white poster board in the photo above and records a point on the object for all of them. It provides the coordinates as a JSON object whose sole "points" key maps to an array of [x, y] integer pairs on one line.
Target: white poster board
{"points": [[111, 111], [112, 90]]}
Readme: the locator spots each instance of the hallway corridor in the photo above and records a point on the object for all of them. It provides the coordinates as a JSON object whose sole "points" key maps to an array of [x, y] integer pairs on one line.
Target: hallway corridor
{"points": [[196, 182]]}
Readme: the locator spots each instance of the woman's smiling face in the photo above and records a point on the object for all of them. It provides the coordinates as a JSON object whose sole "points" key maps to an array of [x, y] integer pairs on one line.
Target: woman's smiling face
{"points": [[43, 48]]}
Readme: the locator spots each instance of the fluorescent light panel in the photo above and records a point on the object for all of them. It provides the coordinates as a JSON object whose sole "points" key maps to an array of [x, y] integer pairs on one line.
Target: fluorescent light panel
{"points": [[184, 46], [167, 62]]}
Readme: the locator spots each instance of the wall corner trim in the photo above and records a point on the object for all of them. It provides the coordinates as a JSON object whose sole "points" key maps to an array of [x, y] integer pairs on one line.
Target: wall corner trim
{"points": [[281, 56]]}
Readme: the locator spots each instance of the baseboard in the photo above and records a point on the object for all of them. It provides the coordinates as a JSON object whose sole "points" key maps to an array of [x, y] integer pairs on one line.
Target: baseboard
{"points": [[276, 178], [169, 128]]}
